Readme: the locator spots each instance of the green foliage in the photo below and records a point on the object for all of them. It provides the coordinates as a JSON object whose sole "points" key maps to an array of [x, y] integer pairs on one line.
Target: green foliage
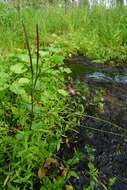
{"points": [[24, 150], [99, 33], [95, 174]]}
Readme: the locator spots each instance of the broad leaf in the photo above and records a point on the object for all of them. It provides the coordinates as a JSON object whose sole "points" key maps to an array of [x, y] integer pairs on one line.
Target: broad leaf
{"points": [[63, 92], [66, 70], [23, 81], [17, 89], [18, 68], [57, 59], [44, 53], [4, 78]]}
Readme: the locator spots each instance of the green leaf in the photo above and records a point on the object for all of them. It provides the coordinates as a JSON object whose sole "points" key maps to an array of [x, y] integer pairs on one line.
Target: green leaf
{"points": [[57, 59], [4, 78], [18, 68], [17, 89], [63, 92], [54, 49], [73, 174], [112, 181], [44, 53], [36, 126], [3, 87], [66, 70], [23, 81], [23, 57]]}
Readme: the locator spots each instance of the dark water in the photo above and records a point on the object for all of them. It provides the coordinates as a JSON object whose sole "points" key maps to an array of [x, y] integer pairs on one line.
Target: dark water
{"points": [[86, 69], [108, 134]]}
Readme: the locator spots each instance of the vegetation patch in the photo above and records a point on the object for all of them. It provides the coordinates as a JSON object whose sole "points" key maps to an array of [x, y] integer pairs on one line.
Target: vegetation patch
{"points": [[41, 107]]}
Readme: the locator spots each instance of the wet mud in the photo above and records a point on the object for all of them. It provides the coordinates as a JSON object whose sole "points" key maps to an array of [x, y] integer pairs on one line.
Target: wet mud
{"points": [[105, 130]]}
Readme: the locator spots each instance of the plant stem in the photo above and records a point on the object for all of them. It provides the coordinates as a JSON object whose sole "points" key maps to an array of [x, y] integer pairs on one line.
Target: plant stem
{"points": [[32, 73], [37, 55]]}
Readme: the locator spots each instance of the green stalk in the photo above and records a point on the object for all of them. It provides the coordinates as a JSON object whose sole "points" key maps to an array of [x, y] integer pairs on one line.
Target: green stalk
{"points": [[32, 73], [37, 55]]}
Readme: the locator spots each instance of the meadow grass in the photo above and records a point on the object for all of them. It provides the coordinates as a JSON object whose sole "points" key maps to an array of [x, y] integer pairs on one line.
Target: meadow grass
{"points": [[99, 33]]}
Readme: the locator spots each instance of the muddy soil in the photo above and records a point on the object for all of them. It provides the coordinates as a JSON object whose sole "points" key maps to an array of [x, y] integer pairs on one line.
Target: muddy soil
{"points": [[109, 140]]}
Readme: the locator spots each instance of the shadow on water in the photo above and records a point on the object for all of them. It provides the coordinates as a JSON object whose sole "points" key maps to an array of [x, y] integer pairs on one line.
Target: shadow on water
{"points": [[111, 146]]}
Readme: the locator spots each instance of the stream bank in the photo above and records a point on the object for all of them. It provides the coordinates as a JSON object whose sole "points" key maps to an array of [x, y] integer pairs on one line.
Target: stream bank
{"points": [[105, 130]]}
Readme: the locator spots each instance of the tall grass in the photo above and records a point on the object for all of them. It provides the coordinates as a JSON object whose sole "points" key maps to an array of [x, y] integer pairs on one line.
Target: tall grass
{"points": [[100, 33]]}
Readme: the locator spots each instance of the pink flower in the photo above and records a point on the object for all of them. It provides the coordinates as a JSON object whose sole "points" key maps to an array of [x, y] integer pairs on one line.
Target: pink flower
{"points": [[71, 90]]}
